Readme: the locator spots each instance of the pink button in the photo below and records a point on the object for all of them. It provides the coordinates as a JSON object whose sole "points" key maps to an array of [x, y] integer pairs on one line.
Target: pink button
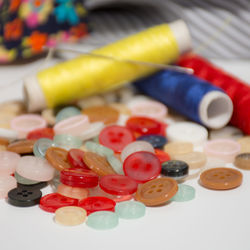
{"points": [[75, 125], [6, 184], [35, 168], [72, 192], [23, 124], [8, 162], [224, 149]]}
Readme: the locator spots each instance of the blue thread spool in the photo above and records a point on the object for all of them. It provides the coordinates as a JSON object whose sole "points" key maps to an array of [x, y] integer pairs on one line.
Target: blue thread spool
{"points": [[190, 96]]}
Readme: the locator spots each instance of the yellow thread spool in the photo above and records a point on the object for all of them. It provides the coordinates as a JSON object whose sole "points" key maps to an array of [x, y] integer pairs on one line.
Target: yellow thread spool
{"points": [[87, 75]]}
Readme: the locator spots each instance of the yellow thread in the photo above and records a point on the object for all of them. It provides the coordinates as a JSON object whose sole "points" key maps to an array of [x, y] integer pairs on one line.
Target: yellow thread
{"points": [[87, 75]]}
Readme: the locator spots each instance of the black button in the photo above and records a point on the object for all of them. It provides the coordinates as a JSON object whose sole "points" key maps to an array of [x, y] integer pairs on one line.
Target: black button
{"points": [[174, 169], [24, 197], [157, 141]]}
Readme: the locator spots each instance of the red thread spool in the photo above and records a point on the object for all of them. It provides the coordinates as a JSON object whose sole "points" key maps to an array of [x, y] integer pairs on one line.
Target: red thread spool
{"points": [[237, 90]]}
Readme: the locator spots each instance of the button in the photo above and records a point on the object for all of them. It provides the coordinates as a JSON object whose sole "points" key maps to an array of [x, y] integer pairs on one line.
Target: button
{"points": [[38, 185], [23, 124], [194, 159], [72, 192], [222, 148], [97, 203], [175, 169], [99, 149], [228, 132], [79, 177], [188, 132], [41, 133], [24, 197], [245, 144], [118, 184], [105, 114], [41, 146], [91, 101], [142, 166], [22, 180], [157, 191], [8, 162], [49, 116], [13, 107], [136, 147], [178, 148], [93, 131], [22, 146], [185, 193], [35, 168], [242, 161], [130, 210], [57, 157], [67, 113], [97, 164], [115, 137], [75, 158], [4, 142], [8, 134], [6, 184], [116, 164], [121, 108], [157, 141], [51, 202], [221, 178], [70, 216], [161, 155], [67, 141], [103, 220]]}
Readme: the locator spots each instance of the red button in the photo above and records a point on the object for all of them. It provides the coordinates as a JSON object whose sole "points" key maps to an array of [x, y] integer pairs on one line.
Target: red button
{"points": [[75, 158], [79, 177], [41, 133], [51, 202], [144, 125], [97, 203], [116, 137], [142, 166], [118, 185], [161, 155]]}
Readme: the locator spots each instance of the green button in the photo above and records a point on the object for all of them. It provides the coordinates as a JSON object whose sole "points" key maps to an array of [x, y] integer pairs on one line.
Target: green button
{"points": [[67, 141], [99, 149], [23, 180], [115, 164], [130, 209], [185, 193], [67, 113], [41, 146]]}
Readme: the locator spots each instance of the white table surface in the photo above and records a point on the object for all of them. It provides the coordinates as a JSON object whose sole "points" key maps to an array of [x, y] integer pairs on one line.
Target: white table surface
{"points": [[214, 220]]}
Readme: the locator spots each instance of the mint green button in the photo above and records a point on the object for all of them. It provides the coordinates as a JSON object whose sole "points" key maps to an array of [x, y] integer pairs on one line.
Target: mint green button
{"points": [[99, 149], [67, 141], [41, 146], [67, 113], [130, 209], [115, 164], [185, 193], [23, 180], [103, 220]]}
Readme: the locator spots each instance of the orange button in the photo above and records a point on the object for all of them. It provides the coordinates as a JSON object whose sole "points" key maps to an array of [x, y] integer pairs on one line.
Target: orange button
{"points": [[22, 146]]}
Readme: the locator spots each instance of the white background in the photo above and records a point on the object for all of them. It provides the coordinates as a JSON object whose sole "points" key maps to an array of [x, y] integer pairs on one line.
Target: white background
{"points": [[214, 220]]}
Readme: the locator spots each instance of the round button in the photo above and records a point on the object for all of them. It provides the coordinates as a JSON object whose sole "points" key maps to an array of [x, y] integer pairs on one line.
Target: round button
{"points": [[75, 158], [116, 164], [72, 192], [228, 132], [178, 148], [41, 146], [22, 180], [157, 191], [51, 202], [70, 216], [130, 209], [67, 113], [245, 144], [188, 132], [97, 164], [221, 178], [49, 116], [243, 161], [142, 166], [8, 134], [157, 141], [79, 177], [97, 203], [22, 146], [222, 148], [115, 137], [93, 131], [185, 193], [175, 169], [105, 114], [99, 149], [57, 157], [8, 162], [161, 155], [24, 197], [118, 185], [67, 141], [6, 184], [41, 133]]}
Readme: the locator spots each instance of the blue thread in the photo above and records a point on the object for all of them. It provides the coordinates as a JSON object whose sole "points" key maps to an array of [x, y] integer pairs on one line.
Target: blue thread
{"points": [[179, 91]]}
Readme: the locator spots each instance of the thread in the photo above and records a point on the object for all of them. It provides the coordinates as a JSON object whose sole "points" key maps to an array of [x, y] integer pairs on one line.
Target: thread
{"points": [[190, 96], [87, 75], [237, 90]]}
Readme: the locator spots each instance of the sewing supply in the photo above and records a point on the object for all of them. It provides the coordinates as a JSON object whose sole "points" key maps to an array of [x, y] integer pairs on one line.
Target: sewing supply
{"points": [[72, 192], [67, 113], [8, 134], [185, 193], [244, 144], [8, 162], [237, 90], [7, 183], [99, 149], [41, 133], [40, 147], [22, 146], [157, 141], [130, 210], [243, 161], [228, 132], [22, 180], [75, 158], [178, 148], [175, 169], [91, 132], [67, 141], [126, 60], [116, 164], [161, 155], [190, 96]]}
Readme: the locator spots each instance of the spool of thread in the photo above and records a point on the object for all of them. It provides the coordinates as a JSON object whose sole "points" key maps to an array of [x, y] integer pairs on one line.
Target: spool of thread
{"points": [[190, 96], [88, 75], [237, 90]]}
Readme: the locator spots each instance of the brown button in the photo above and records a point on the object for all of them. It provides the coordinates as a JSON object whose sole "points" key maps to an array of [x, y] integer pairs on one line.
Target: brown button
{"points": [[98, 164], [221, 178], [4, 142], [243, 161], [57, 157], [22, 146], [105, 114], [157, 191]]}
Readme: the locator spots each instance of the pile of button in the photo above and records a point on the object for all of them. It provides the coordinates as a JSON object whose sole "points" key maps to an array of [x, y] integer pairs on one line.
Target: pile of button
{"points": [[107, 160]]}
